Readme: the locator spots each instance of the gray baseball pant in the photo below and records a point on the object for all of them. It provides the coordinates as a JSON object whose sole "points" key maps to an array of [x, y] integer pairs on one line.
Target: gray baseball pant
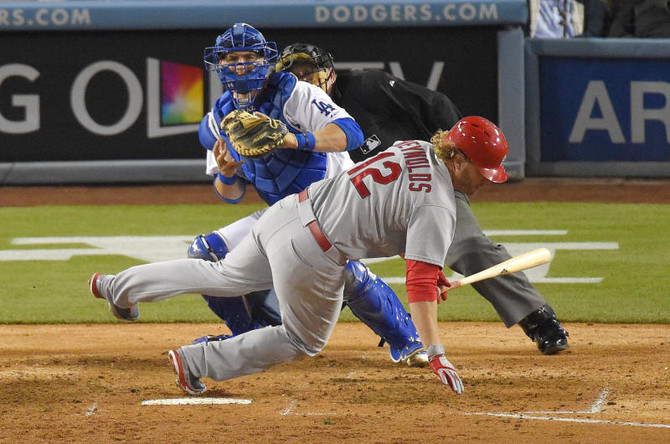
{"points": [[279, 251]]}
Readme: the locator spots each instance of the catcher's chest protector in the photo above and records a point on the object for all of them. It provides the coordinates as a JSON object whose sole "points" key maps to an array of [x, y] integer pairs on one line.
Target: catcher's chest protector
{"points": [[284, 171]]}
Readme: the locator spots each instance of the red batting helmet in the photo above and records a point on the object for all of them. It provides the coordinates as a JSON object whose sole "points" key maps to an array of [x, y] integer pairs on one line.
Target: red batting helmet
{"points": [[483, 143]]}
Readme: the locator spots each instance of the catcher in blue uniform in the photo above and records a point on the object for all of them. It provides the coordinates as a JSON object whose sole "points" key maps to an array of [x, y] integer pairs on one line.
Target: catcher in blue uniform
{"points": [[280, 135]]}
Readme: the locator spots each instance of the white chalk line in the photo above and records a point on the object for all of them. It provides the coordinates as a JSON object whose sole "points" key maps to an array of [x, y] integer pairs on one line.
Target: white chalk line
{"points": [[560, 419], [597, 407], [93, 410], [196, 401], [289, 411]]}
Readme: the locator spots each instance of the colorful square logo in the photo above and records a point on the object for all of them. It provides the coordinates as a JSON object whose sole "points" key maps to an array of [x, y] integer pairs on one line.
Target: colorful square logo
{"points": [[182, 94]]}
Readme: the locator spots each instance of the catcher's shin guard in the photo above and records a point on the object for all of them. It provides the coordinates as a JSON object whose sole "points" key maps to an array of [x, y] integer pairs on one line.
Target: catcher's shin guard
{"points": [[377, 306], [248, 312], [243, 313], [233, 312]]}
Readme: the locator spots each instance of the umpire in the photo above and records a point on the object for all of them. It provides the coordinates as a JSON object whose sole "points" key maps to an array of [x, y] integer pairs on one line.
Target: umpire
{"points": [[390, 109]]}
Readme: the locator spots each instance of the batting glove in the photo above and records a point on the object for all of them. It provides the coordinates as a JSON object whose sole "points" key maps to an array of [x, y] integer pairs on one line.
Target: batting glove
{"points": [[443, 285], [444, 369]]}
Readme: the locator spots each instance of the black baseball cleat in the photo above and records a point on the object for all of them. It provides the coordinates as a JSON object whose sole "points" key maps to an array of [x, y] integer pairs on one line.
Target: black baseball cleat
{"points": [[544, 329]]}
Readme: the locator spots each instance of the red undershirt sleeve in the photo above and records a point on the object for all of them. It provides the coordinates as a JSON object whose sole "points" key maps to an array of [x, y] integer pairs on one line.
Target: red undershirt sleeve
{"points": [[421, 281]]}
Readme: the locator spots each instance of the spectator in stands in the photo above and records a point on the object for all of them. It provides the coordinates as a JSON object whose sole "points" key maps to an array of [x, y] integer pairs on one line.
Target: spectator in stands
{"points": [[567, 18], [640, 18]]}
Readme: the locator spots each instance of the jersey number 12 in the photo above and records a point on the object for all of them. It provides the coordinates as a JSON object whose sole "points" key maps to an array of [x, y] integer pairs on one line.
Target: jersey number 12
{"points": [[391, 173]]}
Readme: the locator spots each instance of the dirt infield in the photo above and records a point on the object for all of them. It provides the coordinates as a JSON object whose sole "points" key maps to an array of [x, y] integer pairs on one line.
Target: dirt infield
{"points": [[87, 383]]}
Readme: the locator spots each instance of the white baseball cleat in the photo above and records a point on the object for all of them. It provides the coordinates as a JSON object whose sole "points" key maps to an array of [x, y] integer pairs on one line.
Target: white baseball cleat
{"points": [[184, 379]]}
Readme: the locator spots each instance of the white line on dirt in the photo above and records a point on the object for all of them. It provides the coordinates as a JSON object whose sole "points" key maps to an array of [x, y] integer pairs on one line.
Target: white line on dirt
{"points": [[288, 409], [93, 410], [597, 406], [196, 401], [557, 418]]}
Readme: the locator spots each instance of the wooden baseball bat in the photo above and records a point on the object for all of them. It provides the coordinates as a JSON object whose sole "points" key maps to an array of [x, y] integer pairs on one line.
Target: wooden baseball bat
{"points": [[517, 263]]}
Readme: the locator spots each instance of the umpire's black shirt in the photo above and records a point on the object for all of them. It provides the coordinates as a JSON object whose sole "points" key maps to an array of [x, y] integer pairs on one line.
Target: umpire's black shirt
{"points": [[389, 109]]}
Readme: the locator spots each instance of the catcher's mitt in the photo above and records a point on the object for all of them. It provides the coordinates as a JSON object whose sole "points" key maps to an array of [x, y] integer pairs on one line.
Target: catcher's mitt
{"points": [[253, 135]]}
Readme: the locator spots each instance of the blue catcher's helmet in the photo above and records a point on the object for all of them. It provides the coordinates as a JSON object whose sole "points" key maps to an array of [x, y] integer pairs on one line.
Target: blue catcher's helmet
{"points": [[241, 37]]}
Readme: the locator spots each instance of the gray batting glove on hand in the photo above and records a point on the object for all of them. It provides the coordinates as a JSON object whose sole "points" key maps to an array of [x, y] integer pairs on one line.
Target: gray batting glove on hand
{"points": [[441, 366]]}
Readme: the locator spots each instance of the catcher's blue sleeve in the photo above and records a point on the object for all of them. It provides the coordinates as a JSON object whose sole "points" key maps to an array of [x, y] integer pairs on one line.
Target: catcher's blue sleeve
{"points": [[352, 130], [207, 138]]}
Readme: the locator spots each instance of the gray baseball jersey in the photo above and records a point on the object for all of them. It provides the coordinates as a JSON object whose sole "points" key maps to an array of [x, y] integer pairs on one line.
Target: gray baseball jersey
{"points": [[400, 201]]}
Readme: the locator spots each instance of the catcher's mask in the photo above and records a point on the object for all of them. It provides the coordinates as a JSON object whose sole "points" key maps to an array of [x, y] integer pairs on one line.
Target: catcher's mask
{"points": [[483, 143], [310, 63], [241, 37]]}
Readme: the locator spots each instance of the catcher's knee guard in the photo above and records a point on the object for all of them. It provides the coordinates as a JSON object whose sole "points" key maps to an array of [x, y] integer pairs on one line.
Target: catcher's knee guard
{"points": [[210, 247], [243, 313], [378, 307]]}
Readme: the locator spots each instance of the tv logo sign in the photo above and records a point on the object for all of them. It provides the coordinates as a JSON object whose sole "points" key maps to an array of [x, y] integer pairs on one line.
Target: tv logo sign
{"points": [[174, 98], [604, 109]]}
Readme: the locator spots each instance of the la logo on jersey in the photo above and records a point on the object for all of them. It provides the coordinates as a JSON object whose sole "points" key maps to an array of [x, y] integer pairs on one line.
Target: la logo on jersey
{"points": [[323, 107]]}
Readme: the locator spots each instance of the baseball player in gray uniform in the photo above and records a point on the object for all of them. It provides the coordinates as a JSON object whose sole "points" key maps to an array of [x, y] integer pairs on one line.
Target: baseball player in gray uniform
{"points": [[388, 109], [400, 202]]}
